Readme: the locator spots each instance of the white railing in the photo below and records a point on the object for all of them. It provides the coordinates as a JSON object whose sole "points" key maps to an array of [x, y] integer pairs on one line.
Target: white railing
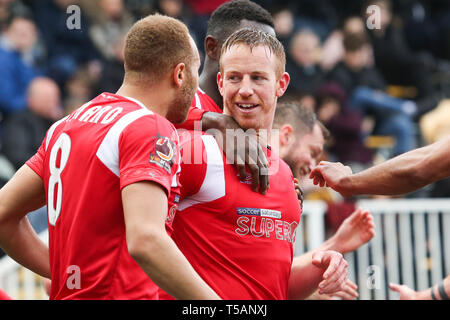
{"points": [[19, 282], [411, 246]]}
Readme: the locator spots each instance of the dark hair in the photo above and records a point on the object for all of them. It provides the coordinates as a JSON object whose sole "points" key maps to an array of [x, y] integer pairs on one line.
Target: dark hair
{"points": [[19, 12], [354, 41], [227, 17], [301, 118]]}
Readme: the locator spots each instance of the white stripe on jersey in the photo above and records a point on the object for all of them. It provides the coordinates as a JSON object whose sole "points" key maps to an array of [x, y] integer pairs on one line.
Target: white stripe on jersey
{"points": [[108, 152], [174, 179], [213, 186], [197, 101], [51, 130]]}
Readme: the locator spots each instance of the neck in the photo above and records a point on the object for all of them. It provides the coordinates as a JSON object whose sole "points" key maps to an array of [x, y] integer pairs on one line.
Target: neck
{"points": [[153, 97], [208, 81]]}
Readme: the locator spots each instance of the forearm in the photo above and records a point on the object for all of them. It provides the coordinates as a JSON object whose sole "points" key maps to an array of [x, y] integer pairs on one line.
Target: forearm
{"points": [[19, 240], [441, 290], [304, 277], [22, 194], [402, 174], [161, 259]]}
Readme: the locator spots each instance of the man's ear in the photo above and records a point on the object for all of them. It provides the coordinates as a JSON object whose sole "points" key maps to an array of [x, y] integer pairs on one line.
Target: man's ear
{"points": [[287, 135], [220, 82], [283, 84], [212, 48], [178, 74]]}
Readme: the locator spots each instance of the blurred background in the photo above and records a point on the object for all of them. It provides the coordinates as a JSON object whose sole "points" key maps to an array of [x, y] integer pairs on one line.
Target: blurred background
{"points": [[380, 84]]}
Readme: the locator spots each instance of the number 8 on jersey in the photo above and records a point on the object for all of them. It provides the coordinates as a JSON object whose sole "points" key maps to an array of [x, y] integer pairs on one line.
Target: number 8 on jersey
{"points": [[64, 144]]}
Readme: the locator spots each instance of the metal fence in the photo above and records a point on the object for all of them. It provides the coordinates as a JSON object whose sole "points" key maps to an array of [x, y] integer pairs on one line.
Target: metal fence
{"points": [[411, 246]]}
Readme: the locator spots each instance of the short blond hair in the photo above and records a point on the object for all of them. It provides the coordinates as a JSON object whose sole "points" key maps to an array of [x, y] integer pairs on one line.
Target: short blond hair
{"points": [[254, 38], [155, 45]]}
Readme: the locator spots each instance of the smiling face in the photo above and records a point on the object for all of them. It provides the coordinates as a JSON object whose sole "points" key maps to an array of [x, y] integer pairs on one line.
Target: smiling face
{"points": [[250, 82], [305, 151]]}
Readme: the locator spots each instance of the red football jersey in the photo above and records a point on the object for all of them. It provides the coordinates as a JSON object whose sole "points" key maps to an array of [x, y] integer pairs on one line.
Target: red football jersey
{"points": [[4, 295], [200, 104], [239, 241], [85, 160]]}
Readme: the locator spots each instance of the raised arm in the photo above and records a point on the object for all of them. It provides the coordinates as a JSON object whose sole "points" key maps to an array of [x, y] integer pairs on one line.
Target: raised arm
{"points": [[402, 174], [440, 291]]}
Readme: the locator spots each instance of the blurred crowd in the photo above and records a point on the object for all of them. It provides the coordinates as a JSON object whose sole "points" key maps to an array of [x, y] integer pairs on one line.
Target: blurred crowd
{"points": [[376, 72]]}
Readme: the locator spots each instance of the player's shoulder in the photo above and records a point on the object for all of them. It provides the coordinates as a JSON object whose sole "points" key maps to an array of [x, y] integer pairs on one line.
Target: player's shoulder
{"points": [[142, 117], [203, 101], [188, 137], [199, 147]]}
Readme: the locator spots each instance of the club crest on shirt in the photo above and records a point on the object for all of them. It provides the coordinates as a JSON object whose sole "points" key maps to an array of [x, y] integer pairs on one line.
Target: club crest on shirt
{"points": [[165, 151]]}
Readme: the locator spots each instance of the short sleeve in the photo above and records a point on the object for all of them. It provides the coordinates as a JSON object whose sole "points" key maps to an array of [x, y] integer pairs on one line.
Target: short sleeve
{"points": [[193, 162], [148, 151], [36, 162]]}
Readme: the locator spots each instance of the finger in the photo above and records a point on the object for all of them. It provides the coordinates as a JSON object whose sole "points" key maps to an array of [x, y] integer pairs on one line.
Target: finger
{"points": [[336, 275], [346, 295], [263, 173], [242, 172], [357, 215], [394, 287], [336, 267], [351, 284], [337, 285], [349, 292], [317, 257], [254, 170]]}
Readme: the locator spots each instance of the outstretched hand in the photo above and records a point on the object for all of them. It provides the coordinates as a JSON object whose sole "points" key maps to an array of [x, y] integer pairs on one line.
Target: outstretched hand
{"points": [[330, 174], [355, 231], [406, 293]]}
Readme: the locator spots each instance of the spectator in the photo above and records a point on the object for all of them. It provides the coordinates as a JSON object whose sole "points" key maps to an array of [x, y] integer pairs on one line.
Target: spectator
{"points": [[112, 21], [16, 42], [365, 85], [303, 62], [113, 70], [201, 10], [171, 8], [284, 23], [333, 47], [344, 124], [398, 64], [24, 131], [68, 48], [9, 8], [139, 8]]}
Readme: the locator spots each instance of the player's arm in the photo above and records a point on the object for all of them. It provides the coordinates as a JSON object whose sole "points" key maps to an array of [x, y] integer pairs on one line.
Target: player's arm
{"points": [[324, 269], [440, 291], [145, 209], [402, 174], [22, 194], [225, 130], [355, 231], [240, 148]]}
